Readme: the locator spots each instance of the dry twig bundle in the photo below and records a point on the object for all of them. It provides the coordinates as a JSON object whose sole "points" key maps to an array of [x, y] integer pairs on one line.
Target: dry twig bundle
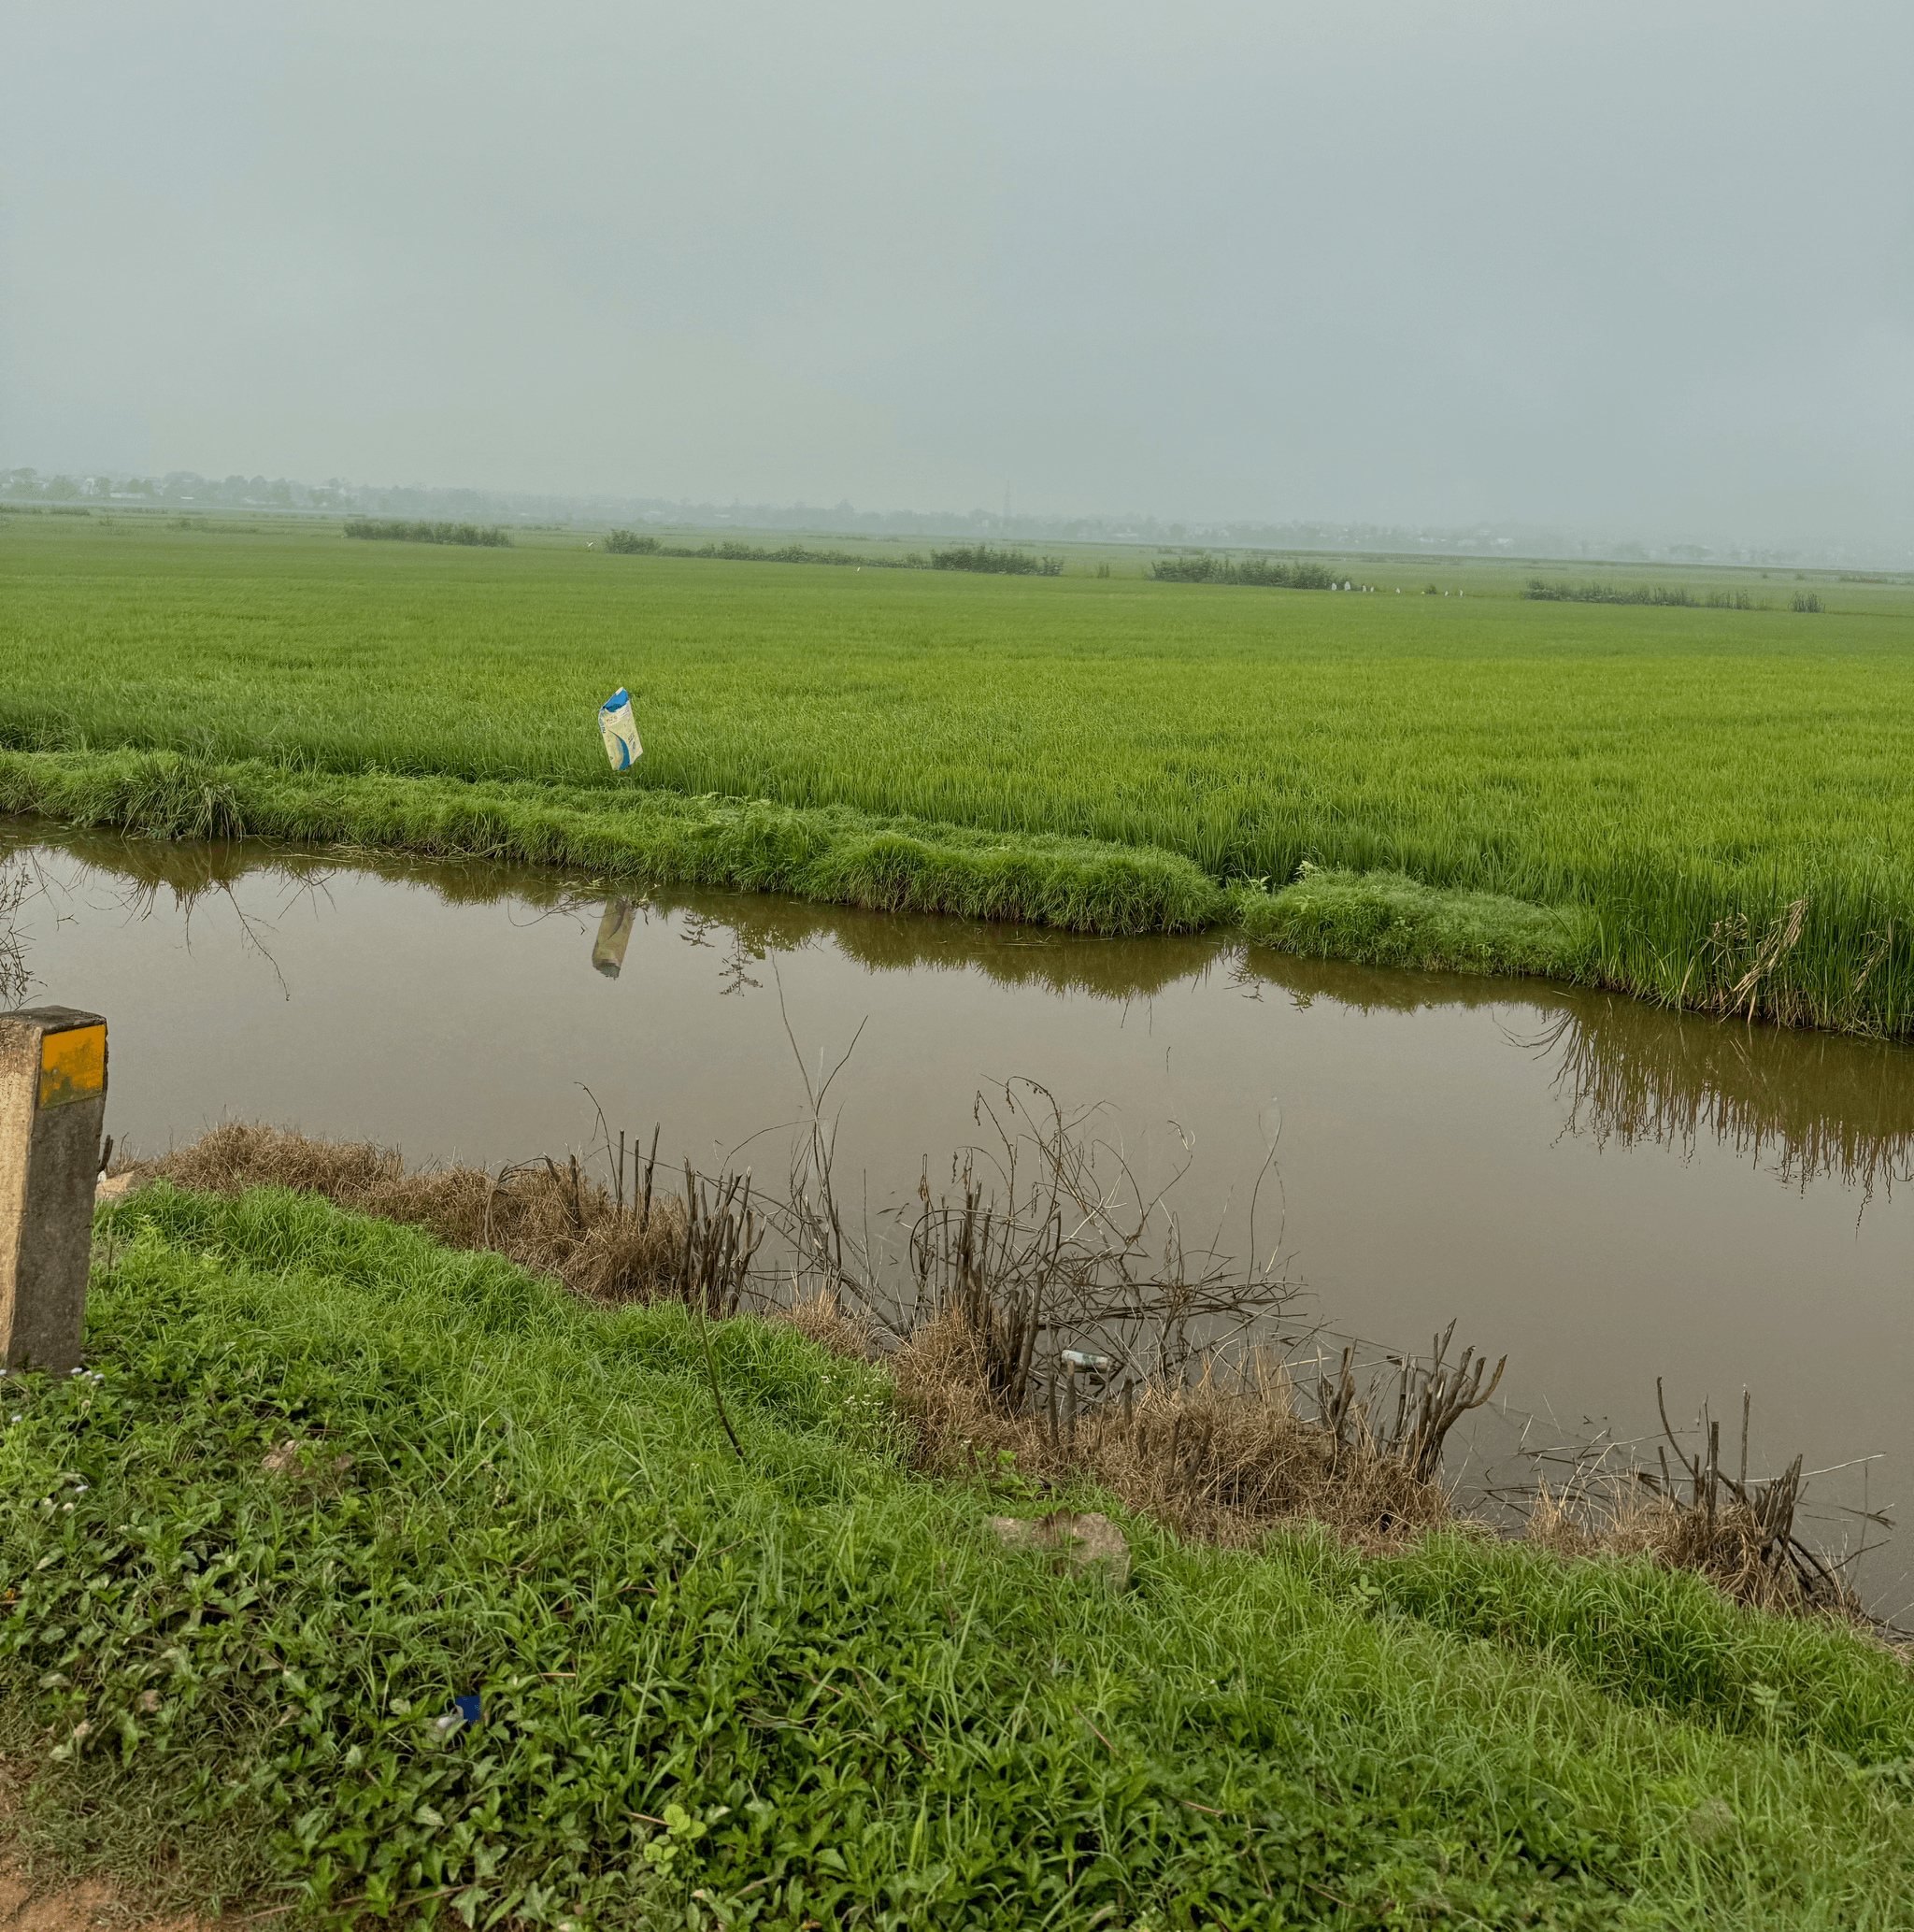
{"points": [[1224, 1458]]}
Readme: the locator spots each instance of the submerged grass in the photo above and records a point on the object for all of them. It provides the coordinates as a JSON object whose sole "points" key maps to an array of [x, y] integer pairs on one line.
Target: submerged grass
{"points": [[808, 1687], [1685, 775]]}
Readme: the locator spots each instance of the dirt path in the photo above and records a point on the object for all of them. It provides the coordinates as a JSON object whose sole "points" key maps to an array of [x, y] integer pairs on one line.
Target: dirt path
{"points": [[39, 1901]]}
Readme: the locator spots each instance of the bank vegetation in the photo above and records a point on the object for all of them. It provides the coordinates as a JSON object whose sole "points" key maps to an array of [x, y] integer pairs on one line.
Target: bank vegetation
{"points": [[368, 1570]]}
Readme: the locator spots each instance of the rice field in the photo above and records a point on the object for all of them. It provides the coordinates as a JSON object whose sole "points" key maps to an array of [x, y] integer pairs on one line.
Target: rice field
{"points": [[1718, 799]]}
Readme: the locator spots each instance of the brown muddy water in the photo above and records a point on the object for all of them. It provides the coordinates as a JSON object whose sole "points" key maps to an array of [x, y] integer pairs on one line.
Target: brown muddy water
{"points": [[1604, 1192]]}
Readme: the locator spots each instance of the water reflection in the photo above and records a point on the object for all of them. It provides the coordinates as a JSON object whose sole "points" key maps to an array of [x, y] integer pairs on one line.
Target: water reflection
{"points": [[1801, 1106], [1804, 1105], [614, 937]]}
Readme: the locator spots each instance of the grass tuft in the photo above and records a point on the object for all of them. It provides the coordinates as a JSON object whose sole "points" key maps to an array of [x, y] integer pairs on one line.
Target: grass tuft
{"points": [[1388, 919]]}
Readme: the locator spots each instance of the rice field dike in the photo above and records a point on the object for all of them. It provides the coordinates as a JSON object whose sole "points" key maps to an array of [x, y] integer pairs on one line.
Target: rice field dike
{"points": [[357, 1576], [1606, 773]]}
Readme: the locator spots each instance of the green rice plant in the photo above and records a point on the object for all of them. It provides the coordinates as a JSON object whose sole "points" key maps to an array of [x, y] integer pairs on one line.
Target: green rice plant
{"points": [[323, 1477]]}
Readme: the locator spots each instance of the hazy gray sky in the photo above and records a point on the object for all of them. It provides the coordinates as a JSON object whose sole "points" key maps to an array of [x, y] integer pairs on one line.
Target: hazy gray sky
{"points": [[1647, 267]]}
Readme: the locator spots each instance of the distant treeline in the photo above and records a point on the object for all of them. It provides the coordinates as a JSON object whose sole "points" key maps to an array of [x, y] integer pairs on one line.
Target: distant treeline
{"points": [[1676, 595], [628, 543], [1263, 571], [378, 529], [980, 557], [1660, 594]]}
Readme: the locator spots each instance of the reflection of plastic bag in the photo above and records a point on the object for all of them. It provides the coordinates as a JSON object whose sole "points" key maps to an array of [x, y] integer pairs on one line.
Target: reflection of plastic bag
{"points": [[614, 936], [620, 731]]}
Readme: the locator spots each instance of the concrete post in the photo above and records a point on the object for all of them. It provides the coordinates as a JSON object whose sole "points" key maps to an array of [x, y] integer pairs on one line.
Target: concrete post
{"points": [[53, 1109]]}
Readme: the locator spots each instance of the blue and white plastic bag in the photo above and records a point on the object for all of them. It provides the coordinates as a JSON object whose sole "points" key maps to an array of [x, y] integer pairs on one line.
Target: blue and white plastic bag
{"points": [[620, 731]]}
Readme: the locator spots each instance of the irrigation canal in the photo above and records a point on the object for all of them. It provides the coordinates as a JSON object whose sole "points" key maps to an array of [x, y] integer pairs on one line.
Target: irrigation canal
{"points": [[1604, 1191]]}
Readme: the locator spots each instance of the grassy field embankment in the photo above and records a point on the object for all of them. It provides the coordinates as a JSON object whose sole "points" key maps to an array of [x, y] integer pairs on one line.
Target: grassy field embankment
{"points": [[1710, 806], [808, 1687]]}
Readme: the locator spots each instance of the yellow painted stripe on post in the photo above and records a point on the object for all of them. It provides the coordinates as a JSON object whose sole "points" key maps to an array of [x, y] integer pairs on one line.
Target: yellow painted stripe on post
{"points": [[73, 1065]]}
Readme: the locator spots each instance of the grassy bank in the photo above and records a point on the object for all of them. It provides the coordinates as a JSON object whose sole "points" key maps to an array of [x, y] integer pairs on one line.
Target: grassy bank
{"points": [[826, 853], [823, 852], [1685, 776], [808, 1686]]}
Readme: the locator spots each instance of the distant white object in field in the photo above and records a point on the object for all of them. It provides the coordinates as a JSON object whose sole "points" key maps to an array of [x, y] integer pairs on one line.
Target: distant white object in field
{"points": [[620, 731], [1345, 583]]}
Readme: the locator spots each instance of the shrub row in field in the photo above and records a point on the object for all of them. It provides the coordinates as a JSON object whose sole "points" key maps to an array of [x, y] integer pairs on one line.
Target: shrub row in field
{"points": [[979, 557], [381, 530], [1678, 595], [1266, 572], [996, 562], [630, 543]]}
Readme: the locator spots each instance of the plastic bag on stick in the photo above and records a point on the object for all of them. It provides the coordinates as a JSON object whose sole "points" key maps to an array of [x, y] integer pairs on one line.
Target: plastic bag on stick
{"points": [[620, 731]]}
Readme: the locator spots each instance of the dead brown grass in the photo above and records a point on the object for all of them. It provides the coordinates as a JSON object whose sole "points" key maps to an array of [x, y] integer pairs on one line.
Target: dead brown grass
{"points": [[1732, 1548], [1224, 1462], [822, 1320], [545, 1217]]}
